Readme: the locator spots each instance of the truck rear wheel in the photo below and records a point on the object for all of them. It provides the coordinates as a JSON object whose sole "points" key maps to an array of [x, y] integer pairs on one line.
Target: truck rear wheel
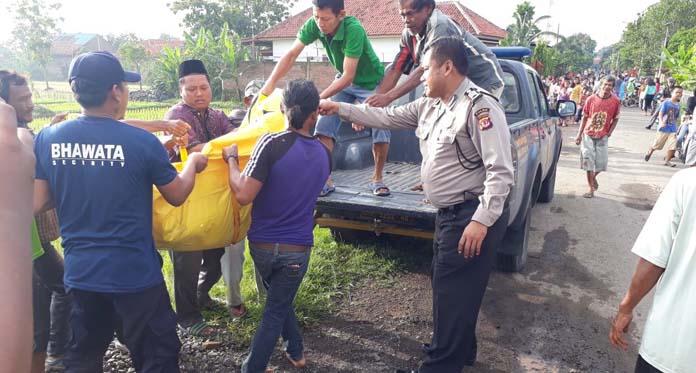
{"points": [[513, 254]]}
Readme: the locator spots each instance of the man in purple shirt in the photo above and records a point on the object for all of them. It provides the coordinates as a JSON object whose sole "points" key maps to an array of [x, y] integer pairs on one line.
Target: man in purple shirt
{"points": [[195, 272], [194, 108]]}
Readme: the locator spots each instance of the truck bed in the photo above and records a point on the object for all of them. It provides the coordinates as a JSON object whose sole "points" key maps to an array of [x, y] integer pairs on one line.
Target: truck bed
{"points": [[353, 198]]}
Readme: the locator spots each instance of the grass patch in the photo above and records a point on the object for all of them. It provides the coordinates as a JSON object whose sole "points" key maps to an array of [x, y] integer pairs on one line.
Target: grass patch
{"points": [[145, 110], [334, 269]]}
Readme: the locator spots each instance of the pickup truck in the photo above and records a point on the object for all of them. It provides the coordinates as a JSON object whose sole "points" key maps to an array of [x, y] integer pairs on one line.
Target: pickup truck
{"points": [[353, 214]]}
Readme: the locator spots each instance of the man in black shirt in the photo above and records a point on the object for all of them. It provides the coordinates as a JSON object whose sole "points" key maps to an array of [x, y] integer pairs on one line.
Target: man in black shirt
{"points": [[667, 90]]}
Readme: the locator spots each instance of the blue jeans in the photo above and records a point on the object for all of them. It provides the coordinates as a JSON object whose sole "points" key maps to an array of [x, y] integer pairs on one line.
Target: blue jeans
{"points": [[282, 274], [328, 125], [682, 134]]}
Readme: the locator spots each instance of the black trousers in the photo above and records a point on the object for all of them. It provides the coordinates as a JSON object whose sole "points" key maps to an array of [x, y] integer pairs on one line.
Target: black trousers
{"points": [[194, 272], [149, 330], [643, 366], [51, 303], [458, 288]]}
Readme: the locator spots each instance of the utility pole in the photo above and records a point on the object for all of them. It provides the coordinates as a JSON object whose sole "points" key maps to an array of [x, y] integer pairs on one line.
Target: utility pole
{"points": [[664, 45]]}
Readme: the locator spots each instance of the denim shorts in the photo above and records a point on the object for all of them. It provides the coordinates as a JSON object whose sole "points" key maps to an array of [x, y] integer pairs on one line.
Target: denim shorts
{"points": [[329, 125]]}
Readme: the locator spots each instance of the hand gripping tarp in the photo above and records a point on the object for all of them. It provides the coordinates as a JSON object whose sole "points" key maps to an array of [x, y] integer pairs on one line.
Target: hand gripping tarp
{"points": [[211, 217]]}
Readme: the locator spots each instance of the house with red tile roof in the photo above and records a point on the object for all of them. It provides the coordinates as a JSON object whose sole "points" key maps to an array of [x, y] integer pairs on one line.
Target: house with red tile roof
{"points": [[383, 24], [155, 47], [67, 46]]}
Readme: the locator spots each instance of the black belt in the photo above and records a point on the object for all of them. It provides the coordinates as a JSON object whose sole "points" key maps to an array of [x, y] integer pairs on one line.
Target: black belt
{"points": [[470, 199], [283, 248]]}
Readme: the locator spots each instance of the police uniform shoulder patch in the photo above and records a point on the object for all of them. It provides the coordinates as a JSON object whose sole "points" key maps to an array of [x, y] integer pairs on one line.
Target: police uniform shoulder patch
{"points": [[484, 119]]}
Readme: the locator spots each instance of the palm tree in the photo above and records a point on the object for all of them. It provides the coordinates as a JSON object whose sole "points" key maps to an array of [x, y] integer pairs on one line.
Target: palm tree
{"points": [[525, 31]]}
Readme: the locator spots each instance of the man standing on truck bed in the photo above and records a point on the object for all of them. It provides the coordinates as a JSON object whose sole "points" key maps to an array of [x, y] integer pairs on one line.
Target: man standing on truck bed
{"points": [[359, 72], [424, 25], [467, 172]]}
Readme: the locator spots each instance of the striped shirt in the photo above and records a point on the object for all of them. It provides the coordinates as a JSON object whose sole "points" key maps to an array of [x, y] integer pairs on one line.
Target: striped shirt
{"points": [[484, 69], [293, 169]]}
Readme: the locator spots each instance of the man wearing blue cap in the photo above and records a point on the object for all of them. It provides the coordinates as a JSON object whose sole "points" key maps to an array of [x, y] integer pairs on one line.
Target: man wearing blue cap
{"points": [[98, 173]]}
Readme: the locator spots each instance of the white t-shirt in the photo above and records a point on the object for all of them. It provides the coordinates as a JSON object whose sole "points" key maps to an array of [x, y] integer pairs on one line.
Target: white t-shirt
{"points": [[691, 151], [668, 240]]}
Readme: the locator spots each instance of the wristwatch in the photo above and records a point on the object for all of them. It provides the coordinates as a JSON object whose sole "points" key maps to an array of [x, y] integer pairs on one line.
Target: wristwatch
{"points": [[227, 158]]}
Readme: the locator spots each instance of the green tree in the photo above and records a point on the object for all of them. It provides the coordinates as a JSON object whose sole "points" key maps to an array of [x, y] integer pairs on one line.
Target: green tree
{"points": [[12, 60], [36, 26], [221, 55], [525, 30], [682, 65], [163, 78], [167, 37], [245, 17], [685, 38], [643, 39], [134, 55], [547, 56], [120, 39], [576, 52]]}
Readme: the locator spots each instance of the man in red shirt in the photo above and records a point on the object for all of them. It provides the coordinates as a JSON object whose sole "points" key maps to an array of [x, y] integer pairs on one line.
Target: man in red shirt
{"points": [[602, 112]]}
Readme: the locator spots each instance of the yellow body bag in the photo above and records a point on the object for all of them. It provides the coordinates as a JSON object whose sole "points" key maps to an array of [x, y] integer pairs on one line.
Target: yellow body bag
{"points": [[211, 217]]}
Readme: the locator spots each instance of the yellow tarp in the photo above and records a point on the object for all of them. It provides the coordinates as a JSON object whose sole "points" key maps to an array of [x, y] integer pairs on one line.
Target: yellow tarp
{"points": [[211, 217]]}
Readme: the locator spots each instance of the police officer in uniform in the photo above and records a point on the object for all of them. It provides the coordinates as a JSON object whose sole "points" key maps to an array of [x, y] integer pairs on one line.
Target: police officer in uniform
{"points": [[466, 173]]}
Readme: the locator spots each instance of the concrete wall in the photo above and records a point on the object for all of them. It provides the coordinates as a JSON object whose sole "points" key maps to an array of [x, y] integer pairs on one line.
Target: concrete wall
{"points": [[322, 73]]}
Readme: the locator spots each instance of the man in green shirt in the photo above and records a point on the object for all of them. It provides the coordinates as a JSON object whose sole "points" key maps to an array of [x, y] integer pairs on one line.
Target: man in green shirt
{"points": [[359, 73]]}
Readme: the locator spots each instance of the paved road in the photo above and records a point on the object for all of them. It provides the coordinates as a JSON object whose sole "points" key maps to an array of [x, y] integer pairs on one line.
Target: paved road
{"points": [[554, 316]]}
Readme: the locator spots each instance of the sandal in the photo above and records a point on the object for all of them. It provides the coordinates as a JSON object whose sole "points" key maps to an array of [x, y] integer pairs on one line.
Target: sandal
{"points": [[326, 190], [200, 329], [595, 185], [379, 189], [237, 311], [588, 195], [297, 363]]}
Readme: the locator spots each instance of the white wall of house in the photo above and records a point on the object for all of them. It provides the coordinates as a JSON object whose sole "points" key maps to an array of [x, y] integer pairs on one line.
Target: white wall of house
{"points": [[386, 49]]}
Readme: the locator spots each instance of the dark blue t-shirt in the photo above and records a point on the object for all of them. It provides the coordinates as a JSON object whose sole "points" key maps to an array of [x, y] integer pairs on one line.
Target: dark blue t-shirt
{"points": [[669, 111], [100, 172], [293, 169]]}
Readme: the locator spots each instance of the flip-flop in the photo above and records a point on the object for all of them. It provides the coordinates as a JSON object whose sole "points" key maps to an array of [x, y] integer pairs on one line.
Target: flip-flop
{"points": [[200, 329], [326, 190], [588, 195], [595, 185], [377, 186]]}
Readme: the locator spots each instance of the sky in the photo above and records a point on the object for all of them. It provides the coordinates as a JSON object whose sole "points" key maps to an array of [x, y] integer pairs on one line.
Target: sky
{"points": [[603, 20]]}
